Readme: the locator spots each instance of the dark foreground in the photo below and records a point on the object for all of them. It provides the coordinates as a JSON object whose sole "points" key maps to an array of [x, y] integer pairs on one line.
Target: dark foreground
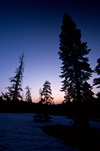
{"points": [[83, 139]]}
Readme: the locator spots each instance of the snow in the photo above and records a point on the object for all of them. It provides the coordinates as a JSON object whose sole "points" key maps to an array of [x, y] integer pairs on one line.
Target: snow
{"points": [[18, 132]]}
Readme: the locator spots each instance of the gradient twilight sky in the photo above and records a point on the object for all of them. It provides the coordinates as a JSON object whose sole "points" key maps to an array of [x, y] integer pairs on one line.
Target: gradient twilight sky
{"points": [[33, 27]]}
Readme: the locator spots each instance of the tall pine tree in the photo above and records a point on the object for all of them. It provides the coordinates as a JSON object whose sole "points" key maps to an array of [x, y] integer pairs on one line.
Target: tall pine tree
{"points": [[75, 67], [14, 91]]}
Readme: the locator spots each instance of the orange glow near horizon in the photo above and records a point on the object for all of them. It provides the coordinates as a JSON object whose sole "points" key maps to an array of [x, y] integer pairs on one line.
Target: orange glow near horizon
{"points": [[58, 98], [56, 101]]}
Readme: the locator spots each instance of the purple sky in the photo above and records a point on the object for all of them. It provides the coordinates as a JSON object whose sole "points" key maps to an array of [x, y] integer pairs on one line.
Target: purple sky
{"points": [[33, 27]]}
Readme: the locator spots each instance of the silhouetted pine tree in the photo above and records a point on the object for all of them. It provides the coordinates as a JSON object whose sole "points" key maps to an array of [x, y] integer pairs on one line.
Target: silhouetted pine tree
{"points": [[75, 67], [96, 81], [41, 100], [16, 81], [46, 93], [46, 99], [28, 94]]}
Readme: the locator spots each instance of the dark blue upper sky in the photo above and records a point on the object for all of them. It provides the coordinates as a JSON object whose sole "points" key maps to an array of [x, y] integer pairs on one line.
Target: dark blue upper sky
{"points": [[33, 27]]}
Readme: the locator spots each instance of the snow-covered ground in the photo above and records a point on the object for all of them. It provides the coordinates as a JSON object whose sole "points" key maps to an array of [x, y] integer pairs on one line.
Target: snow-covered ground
{"points": [[18, 132]]}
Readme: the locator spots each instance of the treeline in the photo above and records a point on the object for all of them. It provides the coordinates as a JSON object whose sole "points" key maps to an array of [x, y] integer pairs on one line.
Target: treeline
{"points": [[15, 91], [70, 109]]}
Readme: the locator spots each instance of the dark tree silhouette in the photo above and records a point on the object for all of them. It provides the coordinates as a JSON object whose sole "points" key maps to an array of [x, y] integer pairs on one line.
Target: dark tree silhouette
{"points": [[96, 81], [46, 93], [28, 94], [45, 100], [75, 67], [16, 81], [41, 100]]}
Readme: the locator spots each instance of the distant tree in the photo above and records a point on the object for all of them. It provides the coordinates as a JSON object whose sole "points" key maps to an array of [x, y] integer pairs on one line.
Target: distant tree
{"points": [[46, 99], [75, 67], [46, 93], [96, 81], [16, 81], [28, 94]]}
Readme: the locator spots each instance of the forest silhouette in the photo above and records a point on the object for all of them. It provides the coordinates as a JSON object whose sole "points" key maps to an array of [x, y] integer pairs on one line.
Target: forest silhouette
{"points": [[75, 72], [79, 102]]}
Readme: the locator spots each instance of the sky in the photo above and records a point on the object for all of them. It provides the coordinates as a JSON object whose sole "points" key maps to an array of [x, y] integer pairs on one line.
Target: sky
{"points": [[33, 27]]}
